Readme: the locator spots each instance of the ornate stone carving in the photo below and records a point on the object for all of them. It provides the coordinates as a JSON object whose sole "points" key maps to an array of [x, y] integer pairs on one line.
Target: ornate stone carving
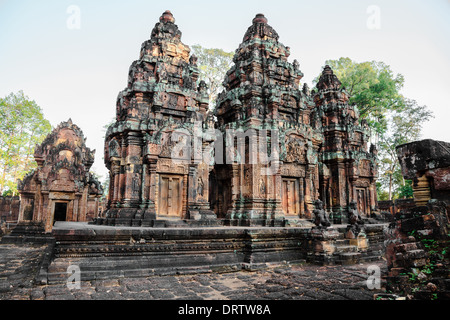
{"points": [[61, 187], [156, 116], [320, 216], [355, 221], [295, 151]]}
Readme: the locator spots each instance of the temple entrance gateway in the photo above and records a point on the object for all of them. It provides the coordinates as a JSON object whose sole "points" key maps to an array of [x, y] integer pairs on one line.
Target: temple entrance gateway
{"points": [[61, 188], [60, 212], [28, 211]]}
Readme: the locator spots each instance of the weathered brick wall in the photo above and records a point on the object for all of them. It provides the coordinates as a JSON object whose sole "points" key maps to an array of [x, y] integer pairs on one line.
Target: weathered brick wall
{"points": [[390, 208], [9, 208], [417, 253]]}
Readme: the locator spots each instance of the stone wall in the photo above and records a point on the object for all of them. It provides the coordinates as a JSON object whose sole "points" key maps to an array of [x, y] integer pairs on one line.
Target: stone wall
{"points": [[103, 252], [417, 253], [418, 241], [9, 208], [389, 208]]}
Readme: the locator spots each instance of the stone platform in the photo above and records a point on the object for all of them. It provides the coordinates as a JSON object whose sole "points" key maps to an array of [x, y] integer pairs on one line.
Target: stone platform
{"points": [[104, 252]]}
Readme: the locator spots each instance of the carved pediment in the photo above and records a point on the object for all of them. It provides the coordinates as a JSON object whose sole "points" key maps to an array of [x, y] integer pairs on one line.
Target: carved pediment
{"points": [[295, 151]]}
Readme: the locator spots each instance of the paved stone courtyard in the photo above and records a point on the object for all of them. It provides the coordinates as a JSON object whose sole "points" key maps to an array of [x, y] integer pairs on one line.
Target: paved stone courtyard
{"points": [[18, 265]]}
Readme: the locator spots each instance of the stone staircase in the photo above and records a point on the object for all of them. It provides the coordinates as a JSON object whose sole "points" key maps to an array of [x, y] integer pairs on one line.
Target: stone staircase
{"points": [[346, 251]]}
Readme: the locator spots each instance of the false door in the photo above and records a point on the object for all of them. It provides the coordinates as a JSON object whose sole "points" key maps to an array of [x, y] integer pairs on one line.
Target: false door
{"points": [[170, 195], [290, 197], [362, 201]]}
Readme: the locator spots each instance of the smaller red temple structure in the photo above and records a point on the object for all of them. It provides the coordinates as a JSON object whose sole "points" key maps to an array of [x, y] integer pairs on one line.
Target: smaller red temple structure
{"points": [[61, 188]]}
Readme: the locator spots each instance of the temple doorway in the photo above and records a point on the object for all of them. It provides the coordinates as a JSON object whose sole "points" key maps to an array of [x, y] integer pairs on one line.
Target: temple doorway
{"points": [[361, 201], [290, 194], [28, 211], [60, 213], [170, 195]]}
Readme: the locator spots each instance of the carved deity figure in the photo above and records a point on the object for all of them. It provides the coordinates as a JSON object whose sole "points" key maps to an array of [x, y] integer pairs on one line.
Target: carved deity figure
{"points": [[355, 220], [202, 87], [321, 219], [262, 186], [200, 186], [295, 151]]}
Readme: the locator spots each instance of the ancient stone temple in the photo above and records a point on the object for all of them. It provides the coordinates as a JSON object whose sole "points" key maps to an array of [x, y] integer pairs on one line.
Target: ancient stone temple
{"points": [[277, 147], [261, 183], [273, 155], [347, 170], [285, 146], [61, 188], [157, 178]]}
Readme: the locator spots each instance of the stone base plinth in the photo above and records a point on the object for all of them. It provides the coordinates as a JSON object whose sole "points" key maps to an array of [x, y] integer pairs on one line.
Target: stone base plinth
{"points": [[28, 232], [103, 251], [360, 242]]}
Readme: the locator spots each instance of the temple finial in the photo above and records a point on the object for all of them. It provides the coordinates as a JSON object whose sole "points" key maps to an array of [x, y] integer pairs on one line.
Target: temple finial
{"points": [[259, 18], [167, 16]]}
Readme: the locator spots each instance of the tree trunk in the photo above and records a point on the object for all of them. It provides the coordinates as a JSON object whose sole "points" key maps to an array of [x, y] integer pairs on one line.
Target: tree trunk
{"points": [[390, 186]]}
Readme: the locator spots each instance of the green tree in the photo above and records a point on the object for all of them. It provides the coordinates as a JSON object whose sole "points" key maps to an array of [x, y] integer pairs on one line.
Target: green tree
{"points": [[406, 191], [405, 124], [213, 65], [22, 126]]}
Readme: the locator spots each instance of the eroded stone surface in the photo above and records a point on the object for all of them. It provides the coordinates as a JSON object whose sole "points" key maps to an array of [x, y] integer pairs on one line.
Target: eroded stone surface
{"points": [[61, 188], [148, 151], [282, 282]]}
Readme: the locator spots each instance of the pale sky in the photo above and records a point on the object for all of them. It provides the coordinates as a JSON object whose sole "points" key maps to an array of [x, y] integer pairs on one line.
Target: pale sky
{"points": [[77, 70]]}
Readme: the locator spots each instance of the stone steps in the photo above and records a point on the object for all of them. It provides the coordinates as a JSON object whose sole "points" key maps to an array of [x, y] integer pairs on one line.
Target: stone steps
{"points": [[345, 251], [347, 258], [346, 248]]}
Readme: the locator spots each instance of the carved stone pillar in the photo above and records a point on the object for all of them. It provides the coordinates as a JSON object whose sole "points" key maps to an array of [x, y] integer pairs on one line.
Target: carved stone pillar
{"points": [[114, 183], [235, 190], [150, 192], [133, 170]]}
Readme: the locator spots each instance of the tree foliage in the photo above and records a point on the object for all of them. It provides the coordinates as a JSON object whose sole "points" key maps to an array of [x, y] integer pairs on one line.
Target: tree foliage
{"points": [[405, 125], [213, 65], [22, 126]]}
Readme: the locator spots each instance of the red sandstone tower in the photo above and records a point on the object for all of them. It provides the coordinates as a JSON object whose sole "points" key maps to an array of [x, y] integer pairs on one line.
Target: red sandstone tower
{"points": [[319, 148], [349, 170], [262, 99], [155, 177]]}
